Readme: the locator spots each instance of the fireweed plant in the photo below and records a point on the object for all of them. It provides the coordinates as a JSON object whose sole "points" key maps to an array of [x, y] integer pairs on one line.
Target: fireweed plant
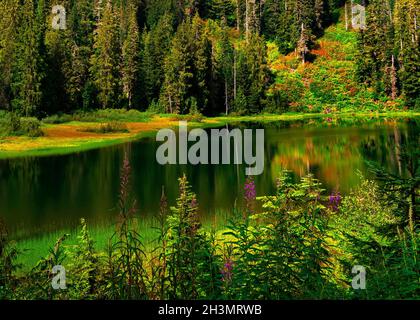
{"points": [[127, 267], [302, 244]]}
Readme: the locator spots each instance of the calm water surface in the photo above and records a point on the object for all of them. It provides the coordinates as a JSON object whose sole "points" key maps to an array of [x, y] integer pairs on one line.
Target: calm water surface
{"points": [[43, 194]]}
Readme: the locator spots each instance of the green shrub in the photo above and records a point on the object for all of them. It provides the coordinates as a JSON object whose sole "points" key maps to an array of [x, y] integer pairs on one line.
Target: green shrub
{"points": [[8, 265], [12, 125], [104, 115], [369, 235], [109, 127], [283, 252], [192, 268], [101, 115], [156, 107], [36, 284], [276, 103], [58, 119], [31, 127], [196, 117], [84, 266]]}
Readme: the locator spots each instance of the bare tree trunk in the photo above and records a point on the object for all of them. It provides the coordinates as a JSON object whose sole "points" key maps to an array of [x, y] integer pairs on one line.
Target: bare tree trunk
{"points": [[254, 25], [238, 15], [247, 19], [346, 17], [393, 80], [260, 10], [226, 97], [234, 74], [170, 104]]}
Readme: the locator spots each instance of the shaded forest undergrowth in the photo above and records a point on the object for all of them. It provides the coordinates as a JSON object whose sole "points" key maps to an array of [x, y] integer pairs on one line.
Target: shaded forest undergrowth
{"points": [[302, 244]]}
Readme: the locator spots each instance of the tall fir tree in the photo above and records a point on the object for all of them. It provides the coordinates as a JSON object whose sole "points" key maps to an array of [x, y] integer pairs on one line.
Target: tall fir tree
{"points": [[130, 58], [178, 70], [156, 45], [407, 45], [9, 22], [227, 63], [79, 39], [252, 75], [187, 69], [27, 65], [201, 66], [105, 59]]}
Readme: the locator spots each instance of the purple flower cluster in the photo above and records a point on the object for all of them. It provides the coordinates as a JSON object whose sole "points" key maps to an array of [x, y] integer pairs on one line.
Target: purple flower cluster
{"points": [[194, 203], [227, 271], [335, 201], [250, 193]]}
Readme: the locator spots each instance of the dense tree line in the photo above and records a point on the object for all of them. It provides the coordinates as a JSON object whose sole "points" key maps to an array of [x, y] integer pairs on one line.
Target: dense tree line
{"points": [[187, 56], [389, 49]]}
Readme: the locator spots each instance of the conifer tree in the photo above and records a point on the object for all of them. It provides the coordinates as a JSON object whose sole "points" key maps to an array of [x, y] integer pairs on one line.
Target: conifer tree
{"points": [[223, 10], [187, 69], [56, 58], [81, 23], [178, 70], [9, 20], [130, 52], [201, 65], [411, 75], [271, 22], [27, 70], [226, 66], [105, 59], [252, 74], [376, 46], [156, 46], [407, 45]]}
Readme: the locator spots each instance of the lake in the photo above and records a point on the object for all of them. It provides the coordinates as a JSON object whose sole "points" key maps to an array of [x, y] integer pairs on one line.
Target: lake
{"points": [[45, 194]]}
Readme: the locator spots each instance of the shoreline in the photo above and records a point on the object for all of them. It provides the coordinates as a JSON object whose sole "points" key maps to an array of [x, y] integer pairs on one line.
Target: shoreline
{"points": [[67, 138]]}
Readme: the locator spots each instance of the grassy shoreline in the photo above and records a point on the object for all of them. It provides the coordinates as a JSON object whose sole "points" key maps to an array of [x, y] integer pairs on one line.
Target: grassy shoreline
{"points": [[61, 139], [33, 248]]}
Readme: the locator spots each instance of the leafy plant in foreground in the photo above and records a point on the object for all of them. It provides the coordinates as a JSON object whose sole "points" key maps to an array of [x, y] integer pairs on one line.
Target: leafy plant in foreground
{"points": [[8, 255], [191, 260], [84, 266], [37, 283], [370, 235], [283, 252], [126, 265]]}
